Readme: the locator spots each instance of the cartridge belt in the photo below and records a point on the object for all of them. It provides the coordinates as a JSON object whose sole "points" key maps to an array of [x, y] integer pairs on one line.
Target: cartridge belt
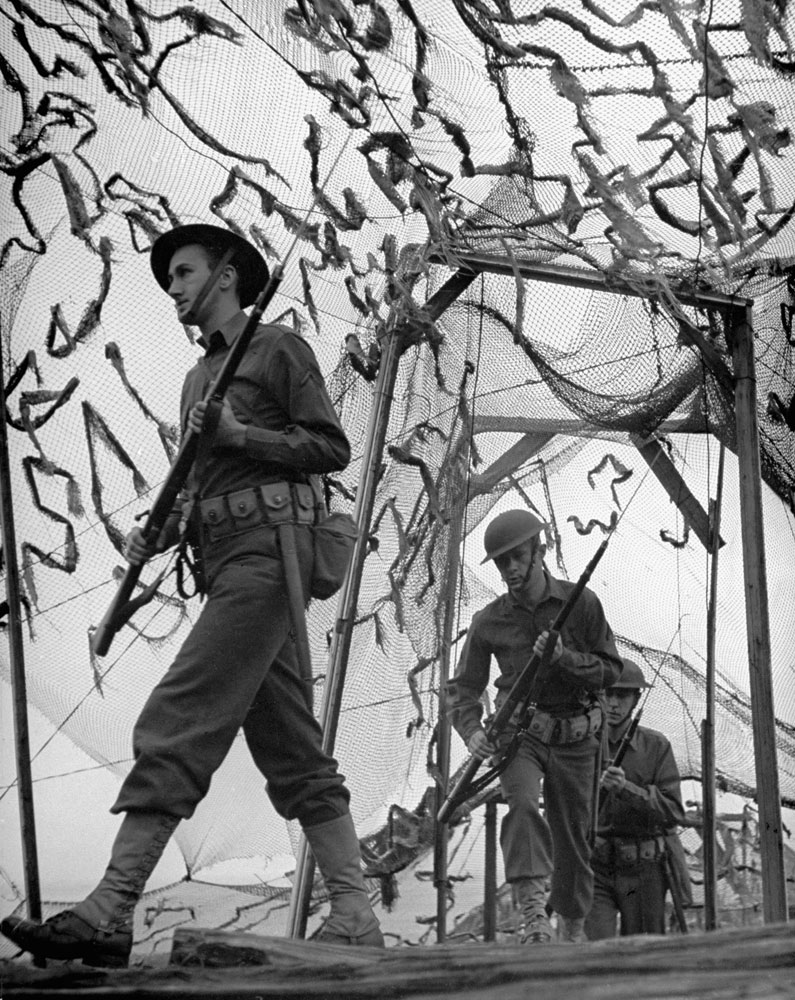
{"points": [[243, 510], [621, 852], [559, 730]]}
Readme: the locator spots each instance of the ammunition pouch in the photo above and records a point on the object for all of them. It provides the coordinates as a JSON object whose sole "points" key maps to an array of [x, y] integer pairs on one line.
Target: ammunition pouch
{"points": [[562, 730], [244, 510], [333, 535], [626, 852]]}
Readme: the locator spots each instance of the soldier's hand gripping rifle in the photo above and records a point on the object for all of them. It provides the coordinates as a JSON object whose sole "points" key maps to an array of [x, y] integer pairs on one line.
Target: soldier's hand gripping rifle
{"points": [[626, 739], [671, 877], [525, 689], [121, 607]]}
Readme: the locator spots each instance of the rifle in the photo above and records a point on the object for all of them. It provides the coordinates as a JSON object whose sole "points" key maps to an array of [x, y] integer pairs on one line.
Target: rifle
{"points": [[626, 739], [525, 689], [599, 773], [121, 607], [675, 889]]}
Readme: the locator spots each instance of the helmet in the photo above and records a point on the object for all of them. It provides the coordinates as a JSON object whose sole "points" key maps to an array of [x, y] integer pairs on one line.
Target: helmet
{"points": [[251, 267], [631, 676], [508, 530]]}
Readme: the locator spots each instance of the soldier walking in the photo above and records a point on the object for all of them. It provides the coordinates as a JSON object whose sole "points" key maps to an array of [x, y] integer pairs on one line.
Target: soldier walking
{"points": [[636, 854], [561, 744]]}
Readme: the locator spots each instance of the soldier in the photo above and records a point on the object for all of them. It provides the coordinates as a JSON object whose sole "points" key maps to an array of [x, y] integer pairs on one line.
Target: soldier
{"points": [[639, 807], [239, 666], [562, 741]]}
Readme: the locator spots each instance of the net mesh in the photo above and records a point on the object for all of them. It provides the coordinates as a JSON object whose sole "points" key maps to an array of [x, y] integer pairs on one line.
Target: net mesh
{"points": [[645, 150]]}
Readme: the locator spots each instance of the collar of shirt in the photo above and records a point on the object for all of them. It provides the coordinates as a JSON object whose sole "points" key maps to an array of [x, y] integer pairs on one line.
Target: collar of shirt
{"points": [[633, 741], [552, 588], [225, 335]]}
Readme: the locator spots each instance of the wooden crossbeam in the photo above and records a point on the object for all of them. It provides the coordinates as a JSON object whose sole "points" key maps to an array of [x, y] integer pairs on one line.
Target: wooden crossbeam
{"points": [[677, 489], [510, 460]]}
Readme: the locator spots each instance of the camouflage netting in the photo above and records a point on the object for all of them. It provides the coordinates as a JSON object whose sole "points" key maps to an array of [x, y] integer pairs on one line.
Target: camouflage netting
{"points": [[643, 151]]}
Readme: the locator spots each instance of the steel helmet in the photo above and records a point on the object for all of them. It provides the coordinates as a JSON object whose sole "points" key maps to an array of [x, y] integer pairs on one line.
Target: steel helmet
{"points": [[248, 261], [631, 676], [508, 530]]}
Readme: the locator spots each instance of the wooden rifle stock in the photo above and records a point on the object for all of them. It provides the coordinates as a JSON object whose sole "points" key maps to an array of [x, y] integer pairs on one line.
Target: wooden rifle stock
{"points": [[526, 684], [121, 608]]}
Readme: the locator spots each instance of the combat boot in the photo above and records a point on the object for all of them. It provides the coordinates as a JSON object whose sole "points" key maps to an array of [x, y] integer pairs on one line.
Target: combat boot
{"points": [[351, 919], [98, 930], [529, 895], [572, 929]]}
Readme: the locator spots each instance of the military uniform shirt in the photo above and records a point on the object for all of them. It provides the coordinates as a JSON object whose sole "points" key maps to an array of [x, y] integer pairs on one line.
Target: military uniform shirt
{"points": [[292, 430], [651, 801], [507, 630]]}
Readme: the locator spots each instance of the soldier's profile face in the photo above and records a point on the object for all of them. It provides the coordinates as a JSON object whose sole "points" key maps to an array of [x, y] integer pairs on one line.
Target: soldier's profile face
{"points": [[188, 270]]}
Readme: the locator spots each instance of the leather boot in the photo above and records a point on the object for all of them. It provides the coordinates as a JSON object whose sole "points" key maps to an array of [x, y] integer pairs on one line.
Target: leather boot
{"points": [[530, 896], [351, 919], [572, 929], [98, 930]]}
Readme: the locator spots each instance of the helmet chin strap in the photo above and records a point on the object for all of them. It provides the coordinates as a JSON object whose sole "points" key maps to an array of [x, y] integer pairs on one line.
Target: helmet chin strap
{"points": [[537, 553]]}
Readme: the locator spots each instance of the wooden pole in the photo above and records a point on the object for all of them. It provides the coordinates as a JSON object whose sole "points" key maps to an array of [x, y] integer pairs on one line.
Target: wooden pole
{"points": [[347, 607], [709, 830], [490, 872], [774, 898], [18, 684], [349, 595], [442, 830]]}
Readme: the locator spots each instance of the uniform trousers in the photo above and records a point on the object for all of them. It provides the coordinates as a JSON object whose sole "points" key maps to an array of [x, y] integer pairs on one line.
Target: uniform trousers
{"points": [[636, 894], [555, 842], [238, 668]]}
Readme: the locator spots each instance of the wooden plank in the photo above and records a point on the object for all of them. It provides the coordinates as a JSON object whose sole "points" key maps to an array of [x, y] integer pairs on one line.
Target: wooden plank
{"points": [[489, 423], [752, 962], [214, 949]]}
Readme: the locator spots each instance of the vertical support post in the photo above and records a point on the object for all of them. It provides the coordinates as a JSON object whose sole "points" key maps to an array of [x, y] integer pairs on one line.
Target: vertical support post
{"points": [[349, 595], [346, 607], [490, 871], [18, 684], [708, 831], [774, 899], [442, 830]]}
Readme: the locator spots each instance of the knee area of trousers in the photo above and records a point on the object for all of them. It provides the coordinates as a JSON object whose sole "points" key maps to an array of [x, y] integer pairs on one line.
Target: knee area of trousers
{"points": [[523, 805]]}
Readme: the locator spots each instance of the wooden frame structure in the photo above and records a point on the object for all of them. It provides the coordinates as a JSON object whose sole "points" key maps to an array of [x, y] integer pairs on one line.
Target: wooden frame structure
{"points": [[738, 314]]}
